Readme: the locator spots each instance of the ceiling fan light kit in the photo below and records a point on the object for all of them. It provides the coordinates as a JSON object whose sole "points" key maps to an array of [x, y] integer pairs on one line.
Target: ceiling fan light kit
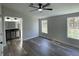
{"points": [[40, 9]]}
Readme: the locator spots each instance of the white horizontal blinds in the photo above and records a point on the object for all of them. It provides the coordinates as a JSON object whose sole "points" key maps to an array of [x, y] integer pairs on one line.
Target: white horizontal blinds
{"points": [[73, 27], [44, 26]]}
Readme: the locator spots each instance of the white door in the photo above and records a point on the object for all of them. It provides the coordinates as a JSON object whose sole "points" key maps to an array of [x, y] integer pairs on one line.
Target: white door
{"points": [[1, 38]]}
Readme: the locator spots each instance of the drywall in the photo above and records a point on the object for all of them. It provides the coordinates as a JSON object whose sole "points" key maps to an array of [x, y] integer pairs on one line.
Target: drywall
{"points": [[2, 23], [0, 9], [30, 23], [57, 29]]}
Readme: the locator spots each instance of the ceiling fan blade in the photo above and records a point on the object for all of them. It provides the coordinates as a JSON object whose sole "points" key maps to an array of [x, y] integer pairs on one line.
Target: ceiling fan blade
{"points": [[48, 9], [31, 5], [46, 5]]}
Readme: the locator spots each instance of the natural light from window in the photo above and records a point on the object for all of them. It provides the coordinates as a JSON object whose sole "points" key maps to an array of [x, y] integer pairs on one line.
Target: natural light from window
{"points": [[73, 27], [44, 26]]}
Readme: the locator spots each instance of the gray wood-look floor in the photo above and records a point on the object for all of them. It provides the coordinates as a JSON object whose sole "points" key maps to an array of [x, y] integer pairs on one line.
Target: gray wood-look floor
{"points": [[39, 47]]}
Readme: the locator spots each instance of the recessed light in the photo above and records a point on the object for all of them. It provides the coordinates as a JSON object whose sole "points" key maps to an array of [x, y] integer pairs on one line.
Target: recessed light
{"points": [[8, 18]]}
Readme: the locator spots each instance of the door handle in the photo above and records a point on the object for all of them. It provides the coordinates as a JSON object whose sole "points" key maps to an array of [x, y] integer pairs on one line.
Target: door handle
{"points": [[0, 42]]}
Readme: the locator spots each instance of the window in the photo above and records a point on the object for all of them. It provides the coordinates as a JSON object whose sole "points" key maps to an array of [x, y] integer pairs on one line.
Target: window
{"points": [[73, 27], [44, 26]]}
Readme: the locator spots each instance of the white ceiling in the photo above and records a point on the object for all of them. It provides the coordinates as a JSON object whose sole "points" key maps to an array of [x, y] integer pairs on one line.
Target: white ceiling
{"points": [[58, 9]]}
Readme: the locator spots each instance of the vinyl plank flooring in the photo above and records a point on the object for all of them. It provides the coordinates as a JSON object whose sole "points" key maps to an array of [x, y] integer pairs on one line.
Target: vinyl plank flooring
{"points": [[39, 47]]}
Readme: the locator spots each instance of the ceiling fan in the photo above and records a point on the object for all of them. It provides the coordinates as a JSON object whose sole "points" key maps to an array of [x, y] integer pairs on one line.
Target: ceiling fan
{"points": [[40, 7]]}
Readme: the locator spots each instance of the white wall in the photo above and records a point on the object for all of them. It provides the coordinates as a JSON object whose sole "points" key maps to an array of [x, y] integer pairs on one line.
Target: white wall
{"points": [[0, 10], [30, 23], [57, 29], [4, 42], [30, 27], [2, 23]]}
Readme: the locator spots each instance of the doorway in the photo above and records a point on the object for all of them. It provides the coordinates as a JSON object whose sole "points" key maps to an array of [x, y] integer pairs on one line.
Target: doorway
{"points": [[13, 34]]}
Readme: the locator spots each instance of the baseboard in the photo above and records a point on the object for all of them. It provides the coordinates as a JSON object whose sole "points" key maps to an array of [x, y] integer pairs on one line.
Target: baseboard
{"points": [[30, 38]]}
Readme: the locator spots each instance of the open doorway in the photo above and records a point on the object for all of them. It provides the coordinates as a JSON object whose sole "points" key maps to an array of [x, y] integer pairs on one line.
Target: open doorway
{"points": [[13, 28], [13, 33]]}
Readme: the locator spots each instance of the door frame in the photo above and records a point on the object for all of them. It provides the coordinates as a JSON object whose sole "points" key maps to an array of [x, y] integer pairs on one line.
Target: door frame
{"points": [[21, 28]]}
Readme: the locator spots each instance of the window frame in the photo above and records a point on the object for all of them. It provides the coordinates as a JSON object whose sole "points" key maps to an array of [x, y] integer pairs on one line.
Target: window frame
{"points": [[71, 29], [43, 30]]}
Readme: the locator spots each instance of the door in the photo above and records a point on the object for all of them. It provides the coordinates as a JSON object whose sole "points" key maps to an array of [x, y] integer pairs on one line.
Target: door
{"points": [[1, 38]]}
